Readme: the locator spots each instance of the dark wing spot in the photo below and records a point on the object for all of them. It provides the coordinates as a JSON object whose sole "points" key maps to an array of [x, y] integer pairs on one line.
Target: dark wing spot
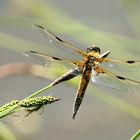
{"points": [[130, 61], [40, 26], [121, 78], [103, 72], [58, 39], [33, 51], [55, 58]]}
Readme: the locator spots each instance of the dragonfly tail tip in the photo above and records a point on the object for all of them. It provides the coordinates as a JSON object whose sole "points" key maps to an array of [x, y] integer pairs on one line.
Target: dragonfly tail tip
{"points": [[73, 116]]}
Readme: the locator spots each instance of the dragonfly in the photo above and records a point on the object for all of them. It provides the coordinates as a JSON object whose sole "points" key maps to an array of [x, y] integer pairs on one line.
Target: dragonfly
{"points": [[89, 66]]}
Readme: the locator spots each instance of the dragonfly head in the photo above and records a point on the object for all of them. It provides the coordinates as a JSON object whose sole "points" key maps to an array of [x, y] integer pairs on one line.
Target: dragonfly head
{"points": [[93, 48], [93, 51]]}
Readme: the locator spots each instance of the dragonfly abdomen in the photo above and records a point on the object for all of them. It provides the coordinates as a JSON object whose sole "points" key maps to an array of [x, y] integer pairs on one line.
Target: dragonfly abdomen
{"points": [[86, 75]]}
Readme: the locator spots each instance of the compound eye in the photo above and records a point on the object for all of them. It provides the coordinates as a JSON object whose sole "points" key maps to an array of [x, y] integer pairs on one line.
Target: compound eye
{"points": [[93, 48], [88, 49], [97, 49]]}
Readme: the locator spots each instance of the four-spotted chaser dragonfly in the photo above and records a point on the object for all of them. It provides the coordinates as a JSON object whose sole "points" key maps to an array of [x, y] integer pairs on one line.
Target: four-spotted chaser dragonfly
{"points": [[90, 67]]}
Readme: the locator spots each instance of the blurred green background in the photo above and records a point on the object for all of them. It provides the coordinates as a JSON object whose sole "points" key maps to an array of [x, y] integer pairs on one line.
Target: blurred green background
{"points": [[105, 113]]}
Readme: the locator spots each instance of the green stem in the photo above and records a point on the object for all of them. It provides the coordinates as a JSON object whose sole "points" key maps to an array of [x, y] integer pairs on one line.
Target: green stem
{"points": [[39, 91], [136, 135]]}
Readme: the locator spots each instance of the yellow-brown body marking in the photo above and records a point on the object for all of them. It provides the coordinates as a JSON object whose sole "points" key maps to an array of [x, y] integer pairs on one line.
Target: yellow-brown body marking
{"points": [[86, 76]]}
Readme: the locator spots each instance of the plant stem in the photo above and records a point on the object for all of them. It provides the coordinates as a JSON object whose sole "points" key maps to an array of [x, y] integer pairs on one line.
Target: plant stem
{"points": [[136, 135], [39, 91]]}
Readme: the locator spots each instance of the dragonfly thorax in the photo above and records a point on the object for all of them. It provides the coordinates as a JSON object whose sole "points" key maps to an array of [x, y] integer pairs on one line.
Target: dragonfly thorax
{"points": [[89, 61]]}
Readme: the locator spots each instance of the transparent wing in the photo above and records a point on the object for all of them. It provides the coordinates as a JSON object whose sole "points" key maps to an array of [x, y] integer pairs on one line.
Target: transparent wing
{"points": [[118, 64], [106, 78], [56, 42], [44, 58]]}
